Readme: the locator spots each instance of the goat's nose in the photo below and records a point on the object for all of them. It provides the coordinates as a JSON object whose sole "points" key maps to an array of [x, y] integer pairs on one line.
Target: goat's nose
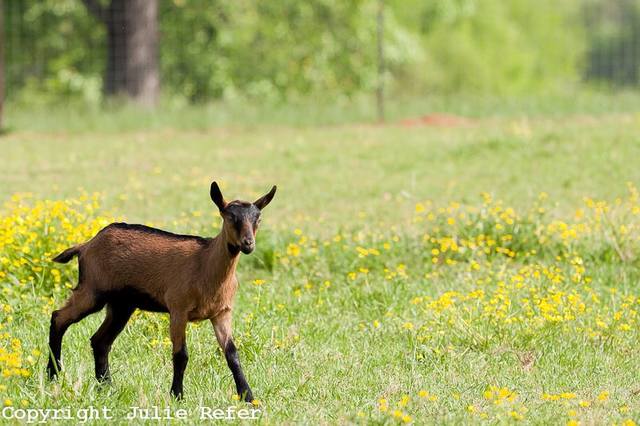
{"points": [[247, 245]]}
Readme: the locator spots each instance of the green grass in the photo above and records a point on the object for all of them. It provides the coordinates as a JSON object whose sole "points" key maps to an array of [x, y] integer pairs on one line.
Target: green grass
{"points": [[327, 354], [327, 171], [72, 116]]}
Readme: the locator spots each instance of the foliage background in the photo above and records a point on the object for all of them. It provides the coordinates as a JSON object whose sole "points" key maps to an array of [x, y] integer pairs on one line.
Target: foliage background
{"points": [[287, 49]]}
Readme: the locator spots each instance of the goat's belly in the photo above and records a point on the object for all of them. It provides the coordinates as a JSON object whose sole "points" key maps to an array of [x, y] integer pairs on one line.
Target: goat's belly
{"points": [[136, 298], [208, 312], [199, 315]]}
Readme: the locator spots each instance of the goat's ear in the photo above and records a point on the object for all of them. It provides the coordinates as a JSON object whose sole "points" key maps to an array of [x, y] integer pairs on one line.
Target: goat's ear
{"points": [[216, 196], [262, 202]]}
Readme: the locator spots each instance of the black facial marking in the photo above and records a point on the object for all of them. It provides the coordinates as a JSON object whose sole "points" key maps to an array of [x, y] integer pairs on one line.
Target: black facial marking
{"points": [[233, 250], [240, 212], [237, 224]]}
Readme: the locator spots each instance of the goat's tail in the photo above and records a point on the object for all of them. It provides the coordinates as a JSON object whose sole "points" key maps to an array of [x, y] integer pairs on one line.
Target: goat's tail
{"points": [[68, 254]]}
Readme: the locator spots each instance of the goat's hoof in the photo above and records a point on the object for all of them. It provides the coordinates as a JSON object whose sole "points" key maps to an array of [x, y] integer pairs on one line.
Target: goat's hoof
{"points": [[104, 379], [52, 372], [177, 394]]}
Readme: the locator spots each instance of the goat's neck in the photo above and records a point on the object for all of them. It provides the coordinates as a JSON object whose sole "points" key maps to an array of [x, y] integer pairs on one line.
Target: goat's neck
{"points": [[222, 259]]}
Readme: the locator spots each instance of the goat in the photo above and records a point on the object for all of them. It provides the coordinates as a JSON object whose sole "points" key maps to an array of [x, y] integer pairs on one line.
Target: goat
{"points": [[128, 267]]}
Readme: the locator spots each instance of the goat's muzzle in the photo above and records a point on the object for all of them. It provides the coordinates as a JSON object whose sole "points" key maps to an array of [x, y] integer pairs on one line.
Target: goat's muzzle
{"points": [[247, 245]]}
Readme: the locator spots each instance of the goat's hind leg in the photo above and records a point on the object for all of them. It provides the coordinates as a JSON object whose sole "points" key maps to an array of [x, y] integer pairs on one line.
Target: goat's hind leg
{"points": [[114, 322], [81, 303]]}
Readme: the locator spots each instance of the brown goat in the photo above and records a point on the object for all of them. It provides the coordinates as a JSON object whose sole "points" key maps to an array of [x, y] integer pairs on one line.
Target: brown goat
{"points": [[129, 267]]}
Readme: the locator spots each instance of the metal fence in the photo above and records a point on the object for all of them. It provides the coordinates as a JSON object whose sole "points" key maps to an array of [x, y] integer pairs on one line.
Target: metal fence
{"points": [[612, 29], [611, 32]]}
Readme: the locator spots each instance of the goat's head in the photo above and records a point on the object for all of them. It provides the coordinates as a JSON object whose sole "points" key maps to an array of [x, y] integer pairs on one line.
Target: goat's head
{"points": [[241, 218]]}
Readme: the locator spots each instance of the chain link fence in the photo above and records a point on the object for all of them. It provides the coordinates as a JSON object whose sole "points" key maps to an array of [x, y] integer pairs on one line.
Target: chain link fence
{"points": [[66, 46]]}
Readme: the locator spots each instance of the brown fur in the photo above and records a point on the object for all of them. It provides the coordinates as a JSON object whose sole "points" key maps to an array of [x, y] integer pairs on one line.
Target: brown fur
{"points": [[134, 266], [193, 276]]}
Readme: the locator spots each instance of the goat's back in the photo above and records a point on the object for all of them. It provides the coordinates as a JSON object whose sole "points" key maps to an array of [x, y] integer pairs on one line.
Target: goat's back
{"points": [[149, 259]]}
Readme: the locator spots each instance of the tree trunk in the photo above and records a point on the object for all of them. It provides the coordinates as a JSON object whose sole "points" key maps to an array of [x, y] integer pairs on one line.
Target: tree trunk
{"points": [[115, 78], [1, 63], [143, 80], [132, 48]]}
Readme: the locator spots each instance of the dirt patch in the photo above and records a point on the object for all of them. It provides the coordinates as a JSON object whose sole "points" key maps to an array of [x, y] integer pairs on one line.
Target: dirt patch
{"points": [[436, 120]]}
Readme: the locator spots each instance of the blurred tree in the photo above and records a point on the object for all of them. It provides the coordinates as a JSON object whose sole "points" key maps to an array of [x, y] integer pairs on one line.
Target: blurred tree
{"points": [[277, 49], [492, 46], [289, 49], [53, 50], [132, 47]]}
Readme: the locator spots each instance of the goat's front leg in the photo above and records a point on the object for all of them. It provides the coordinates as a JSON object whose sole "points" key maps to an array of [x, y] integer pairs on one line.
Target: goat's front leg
{"points": [[222, 327], [178, 328]]}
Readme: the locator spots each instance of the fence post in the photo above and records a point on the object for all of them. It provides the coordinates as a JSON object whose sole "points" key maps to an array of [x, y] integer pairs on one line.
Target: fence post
{"points": [[380, 40]]}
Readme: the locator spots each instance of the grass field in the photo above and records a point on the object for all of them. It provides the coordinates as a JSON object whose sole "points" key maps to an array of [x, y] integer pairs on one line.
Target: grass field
{"points": [[484, 271]]}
